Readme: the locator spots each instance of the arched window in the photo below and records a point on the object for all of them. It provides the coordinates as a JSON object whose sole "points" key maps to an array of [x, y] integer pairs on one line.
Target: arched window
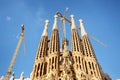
{"points": [[83, 77], [38, 70], [41, 69], [86, 67], [45, 68]]}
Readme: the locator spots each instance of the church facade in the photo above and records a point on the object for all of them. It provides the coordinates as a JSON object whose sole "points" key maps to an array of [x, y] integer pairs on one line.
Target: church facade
{"points": [[55, 63]]}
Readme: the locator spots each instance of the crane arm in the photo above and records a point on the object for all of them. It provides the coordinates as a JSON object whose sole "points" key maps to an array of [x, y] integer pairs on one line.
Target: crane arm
{"points": [[98, 41], [15, 53], [60, 15], [66, 11], [63, 18]]}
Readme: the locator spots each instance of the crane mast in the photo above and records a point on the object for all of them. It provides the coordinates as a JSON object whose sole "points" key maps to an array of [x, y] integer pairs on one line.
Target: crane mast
{"points": [[63, 18], [15, 53], [60, 15]]}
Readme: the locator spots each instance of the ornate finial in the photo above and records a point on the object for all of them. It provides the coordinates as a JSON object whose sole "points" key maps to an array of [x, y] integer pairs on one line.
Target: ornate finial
{"points": [[45, 32], [73, 26], [72, 16], [83, 32], [22, 76], [81, 21], [46, 23], [55, 22]]}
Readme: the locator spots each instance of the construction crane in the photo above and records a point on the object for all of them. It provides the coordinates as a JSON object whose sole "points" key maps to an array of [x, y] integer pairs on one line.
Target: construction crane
{"points": [[63, 17], [64, 31], [97, 40], [9, 71], [63, 22]]}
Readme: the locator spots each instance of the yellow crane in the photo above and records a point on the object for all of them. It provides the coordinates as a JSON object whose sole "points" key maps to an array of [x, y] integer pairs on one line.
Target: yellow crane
{"points": [[15, 53]]}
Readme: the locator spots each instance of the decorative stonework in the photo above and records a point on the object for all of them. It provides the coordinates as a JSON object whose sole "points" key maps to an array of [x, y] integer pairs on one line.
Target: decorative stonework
{"points": [[80, 63]]}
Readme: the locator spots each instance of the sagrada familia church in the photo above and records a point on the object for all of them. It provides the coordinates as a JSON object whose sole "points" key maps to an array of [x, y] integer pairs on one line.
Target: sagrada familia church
{"points": [[55, 63]]}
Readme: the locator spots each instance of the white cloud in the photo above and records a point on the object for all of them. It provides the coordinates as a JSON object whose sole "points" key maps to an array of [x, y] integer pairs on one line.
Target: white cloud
{"points": [[8, 18]]}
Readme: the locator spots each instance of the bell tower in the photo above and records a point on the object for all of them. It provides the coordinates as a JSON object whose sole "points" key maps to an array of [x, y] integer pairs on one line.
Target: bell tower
{"points": [[53, 53], [77, 52], [40, 64], [91, 64]]}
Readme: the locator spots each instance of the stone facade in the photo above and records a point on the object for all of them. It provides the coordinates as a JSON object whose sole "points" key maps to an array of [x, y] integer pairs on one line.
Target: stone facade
{"points": [[79, 63]]}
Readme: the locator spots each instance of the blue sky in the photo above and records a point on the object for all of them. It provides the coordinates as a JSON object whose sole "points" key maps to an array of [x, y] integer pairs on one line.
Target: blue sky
{"points": [[101, 19]]}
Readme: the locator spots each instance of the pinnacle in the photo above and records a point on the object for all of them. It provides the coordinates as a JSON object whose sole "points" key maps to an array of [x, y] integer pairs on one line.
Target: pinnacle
{"points": [[83, 31], [80, 20], [73, 26], [45, 32], [55, 22], [72, 16], [46, 21]]}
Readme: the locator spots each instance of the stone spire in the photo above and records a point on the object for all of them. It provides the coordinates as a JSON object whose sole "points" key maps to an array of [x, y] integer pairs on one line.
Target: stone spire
{"points": [[90, 61], [55, 22], [45, 32], [73, 26], [53, 53], [80, 63], [39, 68], [83, 31]]}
